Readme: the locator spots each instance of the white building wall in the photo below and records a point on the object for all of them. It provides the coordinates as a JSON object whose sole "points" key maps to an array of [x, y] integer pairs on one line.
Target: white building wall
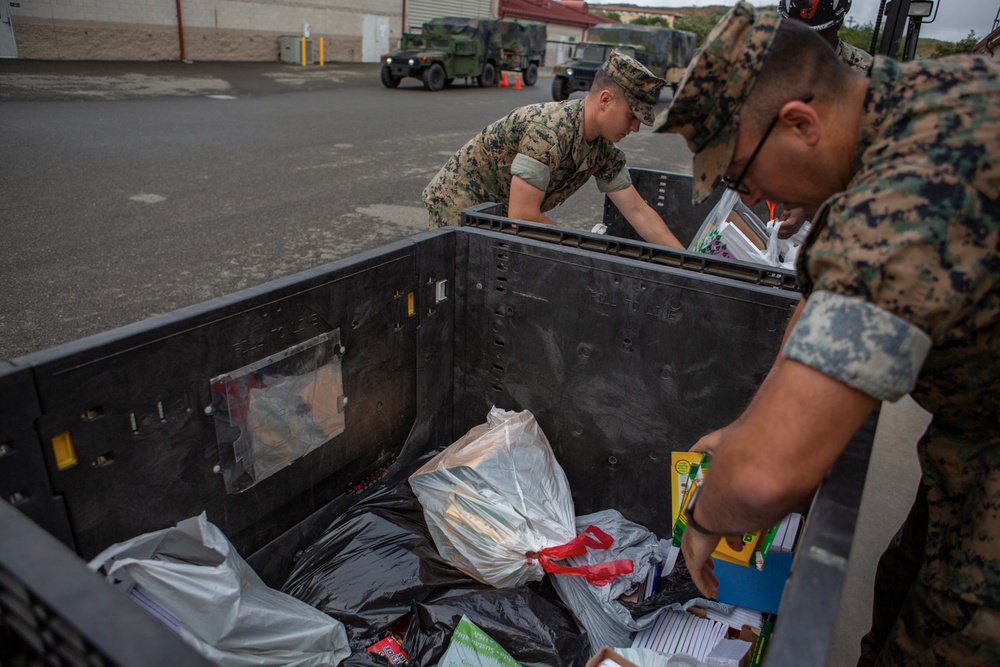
{"points": [[559, 38], [419, 12]]}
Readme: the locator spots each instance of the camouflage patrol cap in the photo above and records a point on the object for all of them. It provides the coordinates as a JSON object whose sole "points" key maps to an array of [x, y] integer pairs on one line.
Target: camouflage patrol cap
{"points": [[642, 87], [706, 107]]}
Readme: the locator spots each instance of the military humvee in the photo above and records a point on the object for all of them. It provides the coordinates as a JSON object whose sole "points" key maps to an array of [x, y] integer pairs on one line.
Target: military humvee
{"points": [[453, 47], [666, 52]]}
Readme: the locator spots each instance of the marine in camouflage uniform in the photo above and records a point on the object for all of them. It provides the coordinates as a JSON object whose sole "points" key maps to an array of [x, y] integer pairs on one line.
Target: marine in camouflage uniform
{"points": [[550, 134], [826, 17], [901, 280], [546, 145]]}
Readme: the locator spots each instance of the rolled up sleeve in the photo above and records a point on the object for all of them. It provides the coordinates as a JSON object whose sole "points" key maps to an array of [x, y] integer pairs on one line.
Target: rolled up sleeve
{"points": [[860, 344], [533, 172]]}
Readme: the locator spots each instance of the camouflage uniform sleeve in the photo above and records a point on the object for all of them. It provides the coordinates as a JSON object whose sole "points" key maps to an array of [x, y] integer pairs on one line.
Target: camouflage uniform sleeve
{"points": [[540, 143], [916, 242], [908, 256], [535, 173], [619, 182], [859, 344]]}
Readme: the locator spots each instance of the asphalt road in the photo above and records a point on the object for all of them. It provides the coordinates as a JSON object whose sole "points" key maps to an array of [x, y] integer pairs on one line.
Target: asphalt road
{"points": [[132, 189]]}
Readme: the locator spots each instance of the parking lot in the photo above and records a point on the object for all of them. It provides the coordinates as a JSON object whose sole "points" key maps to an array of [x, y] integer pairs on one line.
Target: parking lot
{"points": [[135, 189]]}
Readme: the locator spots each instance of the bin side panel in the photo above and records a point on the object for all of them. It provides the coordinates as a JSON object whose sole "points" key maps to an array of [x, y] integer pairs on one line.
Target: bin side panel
{"points": [[435, 257], [24, 480], [813, 593], [54, 607], [134, 404], [621, 364]]}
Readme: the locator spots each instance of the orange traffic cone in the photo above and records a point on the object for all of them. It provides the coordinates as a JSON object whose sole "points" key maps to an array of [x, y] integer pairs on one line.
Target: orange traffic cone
{"points": [[503, 82], [517, 83]]}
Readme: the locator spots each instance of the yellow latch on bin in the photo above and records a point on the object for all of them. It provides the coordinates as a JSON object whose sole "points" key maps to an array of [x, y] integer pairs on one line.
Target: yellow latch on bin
{"points": [[65, 453]]}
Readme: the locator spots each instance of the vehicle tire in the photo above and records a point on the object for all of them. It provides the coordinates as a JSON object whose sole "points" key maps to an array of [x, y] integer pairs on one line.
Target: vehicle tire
{"points": [[434, 77], [531, 75], [489, 76], [388, 80], [560, 88]]}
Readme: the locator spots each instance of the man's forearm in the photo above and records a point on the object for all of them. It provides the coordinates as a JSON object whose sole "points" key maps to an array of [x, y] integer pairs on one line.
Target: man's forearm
{"points": [[777, 454], [650, 227]]}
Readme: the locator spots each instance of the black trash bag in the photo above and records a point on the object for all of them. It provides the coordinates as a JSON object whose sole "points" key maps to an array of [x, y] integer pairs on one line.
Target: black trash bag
{"points": [[534, 630], [373, 563], [676, 588]]}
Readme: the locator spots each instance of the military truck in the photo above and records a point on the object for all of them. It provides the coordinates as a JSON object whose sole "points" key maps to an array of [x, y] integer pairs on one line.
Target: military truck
{"points": [[666, 52], [454, 47]]}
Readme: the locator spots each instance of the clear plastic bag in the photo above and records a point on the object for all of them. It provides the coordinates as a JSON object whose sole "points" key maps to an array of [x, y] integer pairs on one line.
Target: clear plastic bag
{"points": [[732, 230], [494, 496], [192, 578]]}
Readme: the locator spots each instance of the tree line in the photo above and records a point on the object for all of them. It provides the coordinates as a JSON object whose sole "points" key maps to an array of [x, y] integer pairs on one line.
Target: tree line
{"points": [[855, 35]]}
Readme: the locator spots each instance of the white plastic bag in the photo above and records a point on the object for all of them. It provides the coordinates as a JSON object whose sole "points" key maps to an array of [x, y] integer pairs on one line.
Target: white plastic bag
{"points": [[598, 608], [192, 578], [784, 252], [494, 496]]}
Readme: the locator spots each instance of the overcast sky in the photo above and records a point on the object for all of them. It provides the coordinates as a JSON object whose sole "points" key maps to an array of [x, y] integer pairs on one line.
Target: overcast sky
{"points": [[955, 18]]}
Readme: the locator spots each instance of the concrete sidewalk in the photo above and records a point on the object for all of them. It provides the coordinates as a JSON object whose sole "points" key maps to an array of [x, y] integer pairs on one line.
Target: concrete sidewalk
{"points": [[41, 80]]}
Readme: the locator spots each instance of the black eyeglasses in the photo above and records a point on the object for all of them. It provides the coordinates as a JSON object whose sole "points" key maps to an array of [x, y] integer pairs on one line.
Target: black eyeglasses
{"points": [[737, 183]]}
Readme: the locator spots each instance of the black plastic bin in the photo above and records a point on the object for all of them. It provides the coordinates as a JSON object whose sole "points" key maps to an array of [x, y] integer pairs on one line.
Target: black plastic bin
{"points": [[621, 359]]}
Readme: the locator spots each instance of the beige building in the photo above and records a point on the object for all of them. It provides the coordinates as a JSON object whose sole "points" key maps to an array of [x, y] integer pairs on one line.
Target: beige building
{"points": [[352, 30], [253, 30]]}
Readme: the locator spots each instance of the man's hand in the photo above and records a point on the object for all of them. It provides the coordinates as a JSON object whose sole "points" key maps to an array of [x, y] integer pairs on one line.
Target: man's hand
{"points": [[791, 222], [697, 549], [710, 442]]}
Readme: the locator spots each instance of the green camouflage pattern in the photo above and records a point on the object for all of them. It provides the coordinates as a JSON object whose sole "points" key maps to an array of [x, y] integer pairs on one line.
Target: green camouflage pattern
{"points": [[641, 87], [658, 48], [523, 37], [915, 233], [551, 133], [858, 60], [439, 36], [884, 362], [460, 25], [937, 630], [706, 108]]}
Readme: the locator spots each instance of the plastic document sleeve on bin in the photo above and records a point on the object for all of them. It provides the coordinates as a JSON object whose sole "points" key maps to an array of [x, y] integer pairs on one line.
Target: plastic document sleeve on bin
{"points": [[278, 409]]}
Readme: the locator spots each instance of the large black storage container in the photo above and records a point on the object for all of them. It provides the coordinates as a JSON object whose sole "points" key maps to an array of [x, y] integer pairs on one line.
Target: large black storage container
{"points": [[623, 354]]}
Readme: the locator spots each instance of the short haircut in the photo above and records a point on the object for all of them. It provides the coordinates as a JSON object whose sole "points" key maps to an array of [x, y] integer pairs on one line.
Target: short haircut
{"points": [[604, 82], [799, 63]]}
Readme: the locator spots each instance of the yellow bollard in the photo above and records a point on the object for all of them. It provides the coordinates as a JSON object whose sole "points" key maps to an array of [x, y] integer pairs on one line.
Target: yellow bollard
{"points": [[303, 51], [320, 51]]}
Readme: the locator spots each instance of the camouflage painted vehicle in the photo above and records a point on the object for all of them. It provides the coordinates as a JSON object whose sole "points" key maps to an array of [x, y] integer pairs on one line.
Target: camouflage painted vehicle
{"points": [[666, 52], [454, 47], [523, 48]]}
